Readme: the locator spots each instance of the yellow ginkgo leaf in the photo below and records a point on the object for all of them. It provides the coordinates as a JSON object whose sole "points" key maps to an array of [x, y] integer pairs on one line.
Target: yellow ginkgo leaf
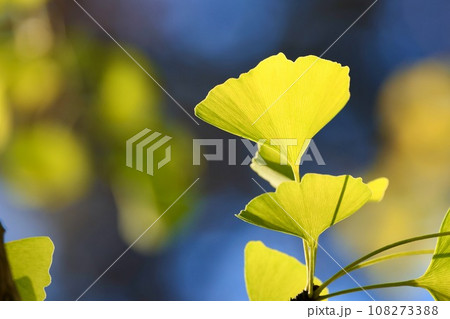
{"points": [[271, 170], [30, 260], [267, 167], [271, 275], [308, 208], [279, 101], [436, 277]]}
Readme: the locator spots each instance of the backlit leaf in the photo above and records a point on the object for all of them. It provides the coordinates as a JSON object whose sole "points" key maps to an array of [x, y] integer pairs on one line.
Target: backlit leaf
{"points": [[436, 278], [279, 99], [266, 165], [270, 169], [308, 208], [271, 275], [30, 260]]}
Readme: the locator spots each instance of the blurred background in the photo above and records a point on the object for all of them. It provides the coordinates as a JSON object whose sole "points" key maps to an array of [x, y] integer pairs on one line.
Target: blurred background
{"points": [[70, 98]]}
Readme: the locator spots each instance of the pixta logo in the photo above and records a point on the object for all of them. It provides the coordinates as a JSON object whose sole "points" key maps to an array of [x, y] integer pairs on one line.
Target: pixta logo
{"points": [[309, 146], [141, 148]]}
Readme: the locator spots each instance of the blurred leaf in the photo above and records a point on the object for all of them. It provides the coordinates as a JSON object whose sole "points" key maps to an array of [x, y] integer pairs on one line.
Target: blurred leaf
{"points": [[378, 188], [5, 118], [33, 36], [23, 4], [35, 84], [128, 98], [271, 275], [142, 198], [257, 105], [436, 278], [414, 111], [46, 166], [30, 260], [419, 95], [308, 208]]}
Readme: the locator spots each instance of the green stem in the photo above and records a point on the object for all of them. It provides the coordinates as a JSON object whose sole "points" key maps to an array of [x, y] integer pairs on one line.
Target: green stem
{"points": [[411, 283], [376, 252], [311, 269], [392, 256], [306, 252]]}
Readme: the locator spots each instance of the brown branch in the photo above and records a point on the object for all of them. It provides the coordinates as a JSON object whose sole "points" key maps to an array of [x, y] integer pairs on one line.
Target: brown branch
{"points": [[8, 290]]}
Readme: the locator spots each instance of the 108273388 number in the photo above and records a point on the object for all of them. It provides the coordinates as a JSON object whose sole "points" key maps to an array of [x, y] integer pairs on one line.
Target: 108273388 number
{"points": [[403, 310]]}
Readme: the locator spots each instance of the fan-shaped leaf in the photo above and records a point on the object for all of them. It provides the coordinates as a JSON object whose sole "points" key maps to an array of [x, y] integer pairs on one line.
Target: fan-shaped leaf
{"points": [[308, 208], [279, 99]]}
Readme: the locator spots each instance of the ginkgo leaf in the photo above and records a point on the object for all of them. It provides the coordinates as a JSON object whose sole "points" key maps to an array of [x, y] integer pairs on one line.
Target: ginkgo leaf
{"points": [[271, 170], [267, 167], [271, 275], [30, 260], [279, 99], [436, 277], [308, 208]]}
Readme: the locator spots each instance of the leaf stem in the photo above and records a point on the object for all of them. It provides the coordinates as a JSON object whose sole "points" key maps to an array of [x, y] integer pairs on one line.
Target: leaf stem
{"points": [[411, 283], [349, 267], [392, 256], [311, 269], [306, 252]]}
